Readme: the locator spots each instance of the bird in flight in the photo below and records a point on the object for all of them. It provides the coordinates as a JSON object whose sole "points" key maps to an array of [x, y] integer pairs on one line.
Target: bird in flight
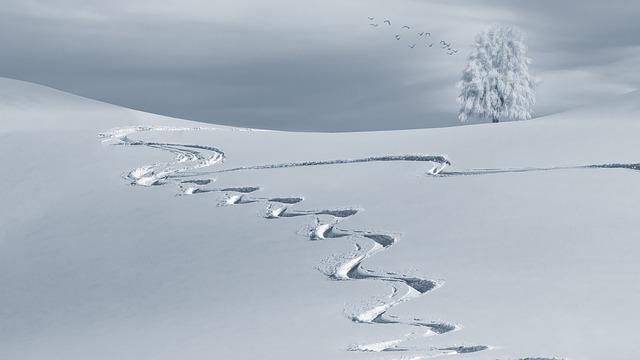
{"points": [[374, 25], [412, 46], [429, 45], [397, 37], [371, 18], [428, 33], [388, 22], [406, 27], [421, 34], [445, 45]]}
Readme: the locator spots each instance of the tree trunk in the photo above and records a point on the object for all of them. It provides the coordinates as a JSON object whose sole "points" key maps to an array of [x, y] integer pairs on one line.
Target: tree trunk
{"points": [[495, 120]]}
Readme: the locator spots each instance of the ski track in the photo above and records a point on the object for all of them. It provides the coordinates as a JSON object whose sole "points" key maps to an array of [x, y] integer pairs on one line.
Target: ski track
{"points": [[442, 173], [189, 158], [439, 163], [197, 181]]}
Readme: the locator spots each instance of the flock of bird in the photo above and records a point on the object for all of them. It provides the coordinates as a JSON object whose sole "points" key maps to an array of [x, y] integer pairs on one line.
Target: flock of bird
{"points": [[424, 35]]}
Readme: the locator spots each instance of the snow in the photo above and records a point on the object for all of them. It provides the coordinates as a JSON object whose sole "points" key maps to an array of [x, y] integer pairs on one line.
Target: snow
{"points": [[529, 236], [378, 347]]}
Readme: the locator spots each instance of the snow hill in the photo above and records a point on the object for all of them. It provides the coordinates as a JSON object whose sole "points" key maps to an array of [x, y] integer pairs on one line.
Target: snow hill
{"points": [[128, 235]]}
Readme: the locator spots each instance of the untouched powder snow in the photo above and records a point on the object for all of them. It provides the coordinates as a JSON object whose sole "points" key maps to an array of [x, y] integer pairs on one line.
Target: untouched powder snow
{"points": [[127, 235]]}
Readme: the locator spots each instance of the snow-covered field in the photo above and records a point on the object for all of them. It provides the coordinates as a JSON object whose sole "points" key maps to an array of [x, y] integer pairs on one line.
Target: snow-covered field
{"points": [[127, 235]]}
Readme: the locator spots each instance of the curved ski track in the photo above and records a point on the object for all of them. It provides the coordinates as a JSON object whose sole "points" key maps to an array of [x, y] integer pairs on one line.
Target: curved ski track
{"points": [[347, 267]]}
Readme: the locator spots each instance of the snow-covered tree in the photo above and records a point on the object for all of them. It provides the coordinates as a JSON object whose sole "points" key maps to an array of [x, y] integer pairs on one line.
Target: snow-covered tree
{"points": [[496, 83]]}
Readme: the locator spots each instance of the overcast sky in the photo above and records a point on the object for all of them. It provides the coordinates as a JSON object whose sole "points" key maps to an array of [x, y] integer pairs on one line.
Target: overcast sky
{"points": [[309, 64]]}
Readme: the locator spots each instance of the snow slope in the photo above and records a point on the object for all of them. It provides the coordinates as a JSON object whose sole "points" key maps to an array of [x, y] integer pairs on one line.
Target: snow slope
{"points": [[127, 235]]}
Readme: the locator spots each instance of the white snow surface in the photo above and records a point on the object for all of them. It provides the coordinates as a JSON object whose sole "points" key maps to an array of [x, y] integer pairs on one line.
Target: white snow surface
{"points": [[532, 232]]}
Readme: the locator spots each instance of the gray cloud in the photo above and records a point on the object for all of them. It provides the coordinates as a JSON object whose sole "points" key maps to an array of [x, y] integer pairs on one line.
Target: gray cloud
{"points": [[308, 65]]}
